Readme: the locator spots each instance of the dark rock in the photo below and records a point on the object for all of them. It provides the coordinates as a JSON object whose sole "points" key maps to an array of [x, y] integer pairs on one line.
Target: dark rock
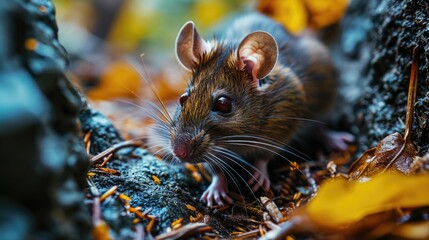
{"points": [[167, 200], [103, 133], [43, 164], [374, 53]]}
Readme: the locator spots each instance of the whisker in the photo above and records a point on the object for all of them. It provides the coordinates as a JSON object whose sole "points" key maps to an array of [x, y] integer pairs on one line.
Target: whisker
{"points": [[230, 155], [267, 142], [152, 87], [151, 110], [161, 128], [296, 118], [225, 166], [237, 142]]}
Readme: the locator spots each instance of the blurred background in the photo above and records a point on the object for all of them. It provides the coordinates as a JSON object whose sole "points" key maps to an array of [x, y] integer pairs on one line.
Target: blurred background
{"points": [[105, 40]]}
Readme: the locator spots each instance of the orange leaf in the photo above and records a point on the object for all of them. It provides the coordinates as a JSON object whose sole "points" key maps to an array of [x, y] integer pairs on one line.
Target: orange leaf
{"points": [[101, 231], [119, 80]]}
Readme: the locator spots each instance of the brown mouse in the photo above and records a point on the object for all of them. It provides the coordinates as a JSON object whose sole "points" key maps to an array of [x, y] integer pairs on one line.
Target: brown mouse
{"points": [[250, 87]]}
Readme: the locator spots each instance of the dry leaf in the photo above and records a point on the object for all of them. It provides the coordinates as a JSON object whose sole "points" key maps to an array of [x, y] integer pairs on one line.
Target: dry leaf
{"points": [[345, 203], [393, 153], [376, 160]]}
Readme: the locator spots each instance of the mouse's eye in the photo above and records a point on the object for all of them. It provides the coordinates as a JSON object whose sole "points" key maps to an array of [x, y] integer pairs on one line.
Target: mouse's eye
{"points": [[223, 104], [183, 98]]}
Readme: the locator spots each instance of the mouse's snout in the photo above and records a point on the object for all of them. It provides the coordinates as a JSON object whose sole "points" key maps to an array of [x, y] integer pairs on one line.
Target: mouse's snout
{"points": [[188, 147], [181, 150]]}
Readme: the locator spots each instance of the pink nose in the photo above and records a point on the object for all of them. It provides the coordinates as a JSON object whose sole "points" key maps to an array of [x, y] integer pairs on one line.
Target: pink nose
{"points": [[181, 150]]}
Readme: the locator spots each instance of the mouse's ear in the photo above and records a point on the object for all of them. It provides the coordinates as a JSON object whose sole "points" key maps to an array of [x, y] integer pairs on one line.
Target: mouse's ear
{"points": [[190, 46], [257, 54]]}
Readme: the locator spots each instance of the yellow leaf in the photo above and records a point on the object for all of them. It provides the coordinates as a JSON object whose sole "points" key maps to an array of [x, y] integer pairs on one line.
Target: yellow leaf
{"points": [[323, 13], [132, 23], [209, 12], [296, 15], [339, 202], [414, 230], [290, 13]]}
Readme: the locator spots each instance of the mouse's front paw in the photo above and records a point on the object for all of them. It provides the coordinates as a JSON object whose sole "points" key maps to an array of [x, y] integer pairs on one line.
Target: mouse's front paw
{"points": [[216, 193]]}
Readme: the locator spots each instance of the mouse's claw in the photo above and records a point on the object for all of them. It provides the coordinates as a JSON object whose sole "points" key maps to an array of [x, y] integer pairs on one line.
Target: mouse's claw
{"points": [[216, 193]]}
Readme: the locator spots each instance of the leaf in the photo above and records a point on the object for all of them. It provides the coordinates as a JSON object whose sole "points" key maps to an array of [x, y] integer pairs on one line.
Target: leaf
{"points": [[375, 160], [342, 208], [393, 153], [210, 12], [323, 13], [417, 230], [290, 13], [296, 15], [119, 80], [344, 202]]}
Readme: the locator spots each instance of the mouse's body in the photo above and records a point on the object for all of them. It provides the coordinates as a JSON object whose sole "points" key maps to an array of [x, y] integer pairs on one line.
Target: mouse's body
{"points": [[250, 88]]}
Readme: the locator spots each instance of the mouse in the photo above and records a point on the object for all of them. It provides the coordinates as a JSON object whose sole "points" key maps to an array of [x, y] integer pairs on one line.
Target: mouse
{"points": [[252, 85]]}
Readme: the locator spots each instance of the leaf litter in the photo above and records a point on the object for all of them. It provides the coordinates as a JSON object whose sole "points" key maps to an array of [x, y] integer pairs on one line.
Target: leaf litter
{"points": [[380, 196]]}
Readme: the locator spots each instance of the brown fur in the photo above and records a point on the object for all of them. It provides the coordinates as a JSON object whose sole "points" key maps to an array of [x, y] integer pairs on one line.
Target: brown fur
{"points": [[301, 85]]}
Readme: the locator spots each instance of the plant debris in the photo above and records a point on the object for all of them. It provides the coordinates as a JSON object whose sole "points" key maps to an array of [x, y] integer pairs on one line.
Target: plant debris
{"points": [[393, 153], [301, 201]]}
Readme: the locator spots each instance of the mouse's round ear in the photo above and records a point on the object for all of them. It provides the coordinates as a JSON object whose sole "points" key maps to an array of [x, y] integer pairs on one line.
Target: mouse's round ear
{"points": [[257, 54], [190, 46]]}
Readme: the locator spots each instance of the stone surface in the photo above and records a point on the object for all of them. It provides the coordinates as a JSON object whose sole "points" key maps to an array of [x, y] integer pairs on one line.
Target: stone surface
{"points": [[43, 162], [373, 52]]}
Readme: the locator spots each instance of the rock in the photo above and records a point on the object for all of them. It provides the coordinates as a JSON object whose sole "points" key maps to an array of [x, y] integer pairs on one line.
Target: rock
{"points": [[374, 51], [103, 133], [43, 159]]}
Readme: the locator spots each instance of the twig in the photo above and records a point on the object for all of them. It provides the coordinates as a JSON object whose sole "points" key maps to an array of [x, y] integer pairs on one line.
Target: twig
{"points": [[272, 209], [185, 231], [115, 148], [411, 96], [285, 229], [249, 234], [96, 212], [108, 193], [410, 107]]}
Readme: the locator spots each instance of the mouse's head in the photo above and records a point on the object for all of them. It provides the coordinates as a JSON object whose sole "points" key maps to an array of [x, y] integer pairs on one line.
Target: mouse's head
{"points": [[224, 97]]}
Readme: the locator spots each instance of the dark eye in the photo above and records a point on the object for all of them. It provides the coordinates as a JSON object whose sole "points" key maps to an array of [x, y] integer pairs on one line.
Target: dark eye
{"points": [[183, 98], [223, 104]]}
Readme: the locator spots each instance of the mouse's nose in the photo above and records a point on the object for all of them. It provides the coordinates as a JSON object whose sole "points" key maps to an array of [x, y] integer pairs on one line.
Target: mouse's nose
{"points": [[181, 150]]}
